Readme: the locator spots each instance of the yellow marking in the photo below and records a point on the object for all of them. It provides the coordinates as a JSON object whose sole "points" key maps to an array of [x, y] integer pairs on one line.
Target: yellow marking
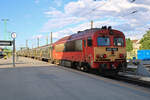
{"points": [[102, 50]]}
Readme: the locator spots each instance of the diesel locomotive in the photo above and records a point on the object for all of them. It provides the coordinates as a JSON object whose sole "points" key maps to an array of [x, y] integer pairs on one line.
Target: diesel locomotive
{"points": [[102, 49]]}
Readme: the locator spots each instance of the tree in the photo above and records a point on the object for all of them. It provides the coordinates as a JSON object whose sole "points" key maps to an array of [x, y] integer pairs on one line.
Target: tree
{"points": [[129, 45], [145, 41], [7, 52]]}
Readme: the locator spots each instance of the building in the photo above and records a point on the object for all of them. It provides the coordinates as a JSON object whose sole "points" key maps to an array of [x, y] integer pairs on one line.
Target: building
{"points": [[136, 45]]}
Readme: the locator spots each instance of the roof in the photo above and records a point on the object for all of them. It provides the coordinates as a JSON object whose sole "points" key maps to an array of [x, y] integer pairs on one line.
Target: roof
{"points": [[135, 41]]}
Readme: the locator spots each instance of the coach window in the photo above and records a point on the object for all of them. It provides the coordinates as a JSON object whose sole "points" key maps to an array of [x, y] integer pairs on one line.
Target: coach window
{"points": [[89, 42]]}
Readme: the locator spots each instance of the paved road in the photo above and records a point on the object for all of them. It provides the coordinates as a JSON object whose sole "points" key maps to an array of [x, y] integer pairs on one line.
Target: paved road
{"points": [[54, 83]]}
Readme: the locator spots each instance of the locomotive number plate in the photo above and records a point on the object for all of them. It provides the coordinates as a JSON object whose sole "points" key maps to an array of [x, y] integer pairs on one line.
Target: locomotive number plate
{"points": [[111, 49]]}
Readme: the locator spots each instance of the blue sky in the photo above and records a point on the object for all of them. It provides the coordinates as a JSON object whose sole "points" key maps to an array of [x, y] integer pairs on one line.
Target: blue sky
{"points": [[37, 18], [26, 18]]}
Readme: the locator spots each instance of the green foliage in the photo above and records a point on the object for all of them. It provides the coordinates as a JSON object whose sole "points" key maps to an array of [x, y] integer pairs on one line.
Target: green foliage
{"points": [[129, 45], [7, 52], [145, 41]]}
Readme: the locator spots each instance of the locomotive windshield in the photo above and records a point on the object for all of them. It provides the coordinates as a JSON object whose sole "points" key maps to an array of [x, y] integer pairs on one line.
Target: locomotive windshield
{"points": [[103, 41], [118, 41]]}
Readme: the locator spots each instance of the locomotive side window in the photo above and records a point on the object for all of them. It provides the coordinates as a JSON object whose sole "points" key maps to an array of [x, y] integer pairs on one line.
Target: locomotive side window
{"points": [[84, 43], [103, 41], [118, 41], [89, 42], [78, 45], [59, 47], [69, 46], [75, 45]]}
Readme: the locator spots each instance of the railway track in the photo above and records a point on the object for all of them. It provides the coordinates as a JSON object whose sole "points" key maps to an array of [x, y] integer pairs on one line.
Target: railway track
{"points": [[121, 78], [134, 81]]}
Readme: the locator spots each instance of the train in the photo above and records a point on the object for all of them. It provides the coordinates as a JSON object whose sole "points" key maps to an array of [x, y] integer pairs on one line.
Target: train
{"points": [[102, 49]]}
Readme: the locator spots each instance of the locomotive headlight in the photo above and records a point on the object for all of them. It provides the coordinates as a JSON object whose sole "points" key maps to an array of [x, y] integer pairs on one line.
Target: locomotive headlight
{"points": [[121, 56], [104, 56]]}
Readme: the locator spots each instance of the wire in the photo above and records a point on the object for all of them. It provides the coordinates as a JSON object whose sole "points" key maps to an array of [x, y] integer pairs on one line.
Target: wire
{"points": [[132, 1]]}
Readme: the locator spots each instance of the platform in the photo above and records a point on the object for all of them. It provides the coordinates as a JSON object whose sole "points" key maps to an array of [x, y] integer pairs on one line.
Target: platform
{"points": [[41, 82]]}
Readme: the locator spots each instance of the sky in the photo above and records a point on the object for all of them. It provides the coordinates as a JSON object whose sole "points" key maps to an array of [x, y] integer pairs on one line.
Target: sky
{"points": [[32, 19]]}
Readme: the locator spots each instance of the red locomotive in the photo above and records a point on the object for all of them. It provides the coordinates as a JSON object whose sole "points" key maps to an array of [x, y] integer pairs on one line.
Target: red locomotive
{"points": [[103, 49]]}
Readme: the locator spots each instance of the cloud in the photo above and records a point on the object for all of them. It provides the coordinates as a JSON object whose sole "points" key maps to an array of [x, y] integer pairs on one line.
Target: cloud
{"points": [[80, 27], [121, 14], [37, 1], [58, 2]]}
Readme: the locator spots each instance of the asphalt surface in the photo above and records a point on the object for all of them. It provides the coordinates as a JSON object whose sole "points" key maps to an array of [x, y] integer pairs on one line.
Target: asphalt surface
{"points": [[55, 83]]}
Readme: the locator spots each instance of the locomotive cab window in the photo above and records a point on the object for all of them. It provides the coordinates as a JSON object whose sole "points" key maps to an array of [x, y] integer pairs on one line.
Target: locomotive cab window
{"points": [[103, 41], [118, 41], [89, 42]]}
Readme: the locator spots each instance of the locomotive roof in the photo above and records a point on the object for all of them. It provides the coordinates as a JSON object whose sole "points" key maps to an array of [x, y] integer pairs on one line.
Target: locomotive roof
{"points": [[85, 33], [79, 34]]}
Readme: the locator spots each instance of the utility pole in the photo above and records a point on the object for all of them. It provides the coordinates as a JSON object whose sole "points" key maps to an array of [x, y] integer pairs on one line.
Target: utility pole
{"points": [[91, 24], [27, 44], [51, 53], [5, 28], [32, 45], [38, 41], [51, 38], [47, 40]]}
